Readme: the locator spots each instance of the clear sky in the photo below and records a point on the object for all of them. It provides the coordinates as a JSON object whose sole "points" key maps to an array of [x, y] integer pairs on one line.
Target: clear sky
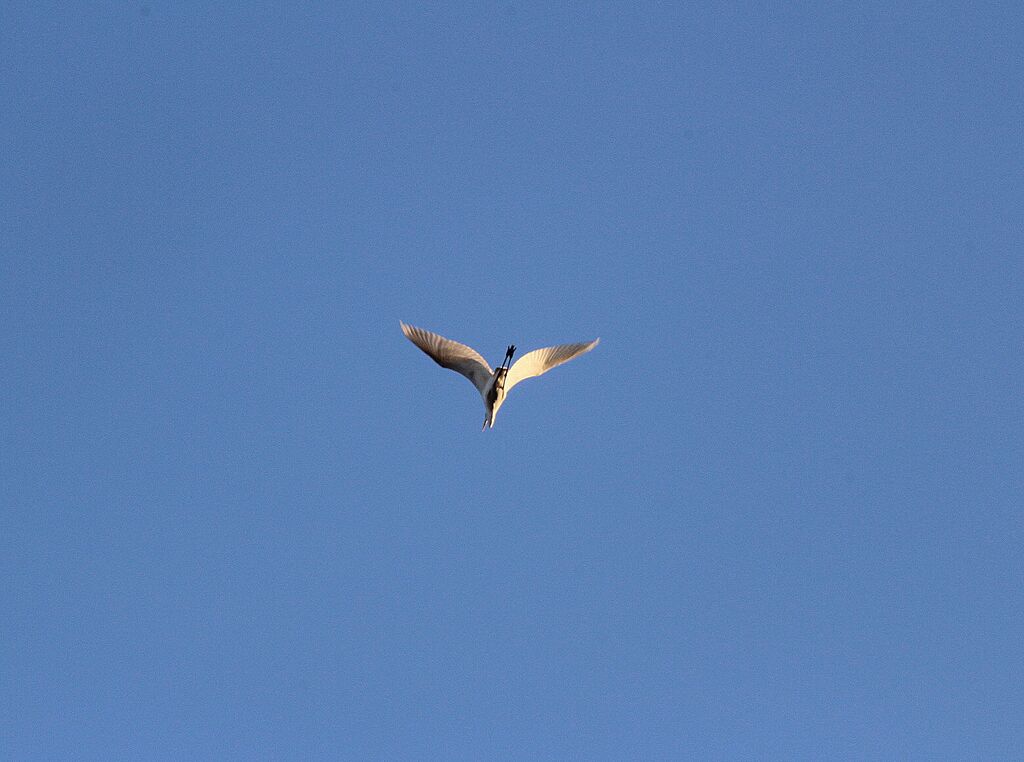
{"points": [[777, 513]]}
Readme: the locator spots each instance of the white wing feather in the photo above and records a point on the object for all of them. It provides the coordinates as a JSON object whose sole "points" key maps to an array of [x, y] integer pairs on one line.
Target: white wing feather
{"points": [[451, 354], [542, 360]]}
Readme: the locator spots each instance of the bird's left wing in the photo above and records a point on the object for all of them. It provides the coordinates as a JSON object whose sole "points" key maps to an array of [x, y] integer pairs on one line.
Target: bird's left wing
{"points": [[542, 360], [451, 354]]}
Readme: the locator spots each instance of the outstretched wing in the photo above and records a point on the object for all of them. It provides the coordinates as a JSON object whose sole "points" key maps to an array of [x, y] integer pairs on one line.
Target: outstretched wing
{"points": [[451, 354], [542, 360]]}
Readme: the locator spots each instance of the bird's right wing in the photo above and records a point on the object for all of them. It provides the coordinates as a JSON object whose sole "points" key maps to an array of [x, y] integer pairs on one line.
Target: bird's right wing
{"points": [[542, 360], [451, 354]]}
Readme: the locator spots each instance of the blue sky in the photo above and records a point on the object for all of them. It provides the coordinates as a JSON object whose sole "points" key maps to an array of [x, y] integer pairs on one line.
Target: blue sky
{"points": [[775, 514]]}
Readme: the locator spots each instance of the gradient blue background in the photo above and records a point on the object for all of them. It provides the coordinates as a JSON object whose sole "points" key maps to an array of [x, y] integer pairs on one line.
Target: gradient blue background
{"points": [[776, 514]]}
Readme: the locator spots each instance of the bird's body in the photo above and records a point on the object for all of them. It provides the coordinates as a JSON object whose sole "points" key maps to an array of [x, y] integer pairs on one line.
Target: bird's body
{"points": [[494, 395], [493, 384]]}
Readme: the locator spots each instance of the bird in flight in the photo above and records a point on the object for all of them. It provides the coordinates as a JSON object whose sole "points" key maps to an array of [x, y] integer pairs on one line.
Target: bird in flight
{"points": [[493, 385]]}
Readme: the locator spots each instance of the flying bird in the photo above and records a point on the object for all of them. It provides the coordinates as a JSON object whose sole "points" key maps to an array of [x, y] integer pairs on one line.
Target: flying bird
{"points": [[493, 385]]}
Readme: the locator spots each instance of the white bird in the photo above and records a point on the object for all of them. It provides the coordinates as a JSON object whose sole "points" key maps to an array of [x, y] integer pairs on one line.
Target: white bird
{"points": [[493, 385]]}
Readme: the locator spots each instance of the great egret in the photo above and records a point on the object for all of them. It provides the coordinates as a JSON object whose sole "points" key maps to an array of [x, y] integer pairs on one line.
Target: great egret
{"points": [[493, 385]]}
